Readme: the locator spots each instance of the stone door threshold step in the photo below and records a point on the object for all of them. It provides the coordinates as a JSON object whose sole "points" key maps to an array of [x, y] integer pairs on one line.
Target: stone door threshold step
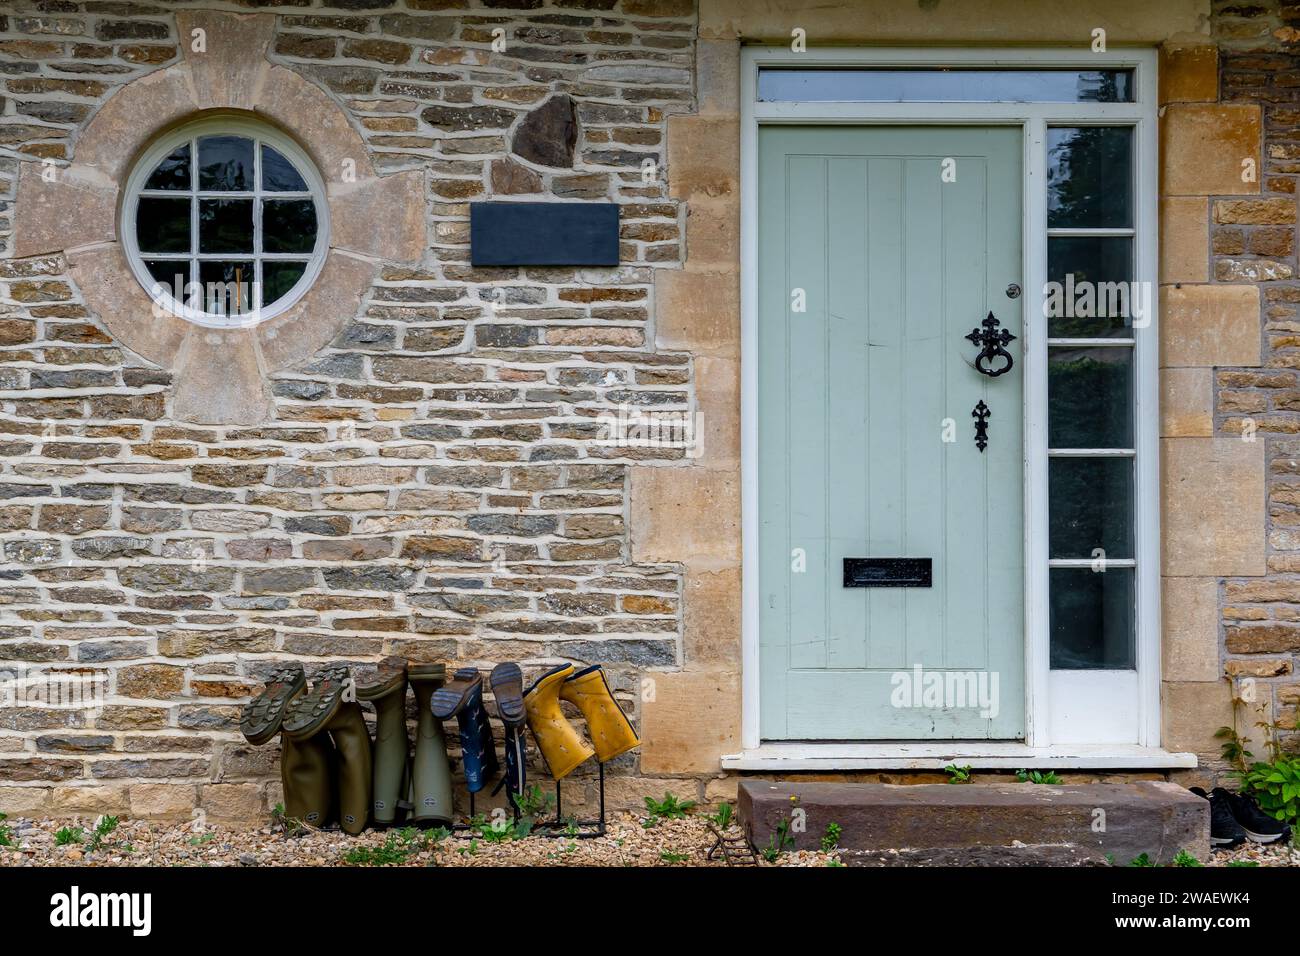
{"points": [[998, 824]]}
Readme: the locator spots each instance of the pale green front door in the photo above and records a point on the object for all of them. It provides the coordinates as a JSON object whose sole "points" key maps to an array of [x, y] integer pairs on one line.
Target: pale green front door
{"points": [[880, 249]]}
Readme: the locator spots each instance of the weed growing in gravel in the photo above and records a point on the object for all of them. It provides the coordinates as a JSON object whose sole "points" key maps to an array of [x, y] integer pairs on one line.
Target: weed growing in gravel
{"points": [[103, 827], [533, 803], [833, 862], [1242, 863], [1186, 859], [1141, 860], [69, 835], [672, 856], [390, 853], [723, 816], [831, 838], [669, 808], [6, 835], [397, 847], [289, 826], [958, 774], [778, 842], [1037, 776]]}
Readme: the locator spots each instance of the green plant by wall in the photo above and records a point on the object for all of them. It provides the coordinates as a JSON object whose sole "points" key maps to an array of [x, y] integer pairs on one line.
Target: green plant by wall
{"points": [[1275, 782], [69, 835], [1037, 776], [6, 835], [958, 774], [831, 838], [723, 816], [103, 827], [669, 808], [779, 842]]}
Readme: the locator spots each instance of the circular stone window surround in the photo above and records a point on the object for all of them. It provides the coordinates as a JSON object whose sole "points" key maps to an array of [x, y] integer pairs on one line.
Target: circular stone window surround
{"points": [[219, 375]]}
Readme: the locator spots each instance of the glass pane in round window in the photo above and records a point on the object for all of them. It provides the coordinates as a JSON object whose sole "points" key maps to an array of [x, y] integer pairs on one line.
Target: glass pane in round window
{"points": [[278, 278], [226, 225], [235, 208], [163, 225], [288, 225], [225, 163], [278, 174], [173, 172], [172, 274]]}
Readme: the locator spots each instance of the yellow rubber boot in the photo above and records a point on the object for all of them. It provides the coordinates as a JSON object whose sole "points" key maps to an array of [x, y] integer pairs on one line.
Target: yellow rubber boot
{"points": [[561, 746], [610, 731]]}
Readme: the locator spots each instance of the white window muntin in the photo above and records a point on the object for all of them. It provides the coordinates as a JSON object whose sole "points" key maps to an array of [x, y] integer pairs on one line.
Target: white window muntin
{"points": [[225, 125]]}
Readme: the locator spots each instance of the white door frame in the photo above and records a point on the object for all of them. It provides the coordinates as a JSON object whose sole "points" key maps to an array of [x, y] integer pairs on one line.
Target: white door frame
{"points": [[1033, 118]]}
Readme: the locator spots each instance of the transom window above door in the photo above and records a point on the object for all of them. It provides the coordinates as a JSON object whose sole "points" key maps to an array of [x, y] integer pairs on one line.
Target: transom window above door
{"points": [[946, 85], [225, 222]]}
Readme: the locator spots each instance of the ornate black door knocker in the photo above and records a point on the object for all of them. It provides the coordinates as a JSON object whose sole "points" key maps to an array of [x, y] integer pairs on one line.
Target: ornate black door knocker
{"points": [[981, 415], [992, 342]]}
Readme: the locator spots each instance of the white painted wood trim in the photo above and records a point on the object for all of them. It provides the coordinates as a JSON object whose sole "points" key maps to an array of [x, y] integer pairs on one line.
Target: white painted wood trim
{"points": [[788, 757], [749, 675], [1034, 119]]}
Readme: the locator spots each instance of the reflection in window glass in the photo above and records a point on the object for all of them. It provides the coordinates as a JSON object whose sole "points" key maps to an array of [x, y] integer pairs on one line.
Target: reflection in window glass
{"points": [[1092, 507], [1085, 298], [278, 278], [938, 85], [288, 225], [173, 274], [1093, 624], [227, 287], [278, 174], [1090, 397], [163, 225], [1090, 177], [225, 225], [226, 163], [173, 172]]}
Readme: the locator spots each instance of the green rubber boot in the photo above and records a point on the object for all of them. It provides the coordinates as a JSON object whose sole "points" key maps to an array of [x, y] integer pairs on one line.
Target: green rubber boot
{"points": [[325, 709], [306, 766], [431, 771], [392, 748], [308, 771]]}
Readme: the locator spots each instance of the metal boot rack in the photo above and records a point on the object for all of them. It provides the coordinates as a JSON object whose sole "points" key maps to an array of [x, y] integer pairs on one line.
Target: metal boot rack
{"points": [[558, 828]]}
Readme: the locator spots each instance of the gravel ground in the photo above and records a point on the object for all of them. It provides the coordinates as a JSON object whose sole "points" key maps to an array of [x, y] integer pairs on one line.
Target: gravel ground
{"points": [[1286, 854], [136, 843], [628, 842]]}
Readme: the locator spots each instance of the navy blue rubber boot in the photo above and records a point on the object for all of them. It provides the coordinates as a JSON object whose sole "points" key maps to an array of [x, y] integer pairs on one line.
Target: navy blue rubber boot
{"points": [[462, 698]]}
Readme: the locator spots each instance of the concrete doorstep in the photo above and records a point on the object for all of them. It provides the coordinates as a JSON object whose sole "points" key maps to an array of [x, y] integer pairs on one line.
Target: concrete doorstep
{"points": [[1016, 824]]}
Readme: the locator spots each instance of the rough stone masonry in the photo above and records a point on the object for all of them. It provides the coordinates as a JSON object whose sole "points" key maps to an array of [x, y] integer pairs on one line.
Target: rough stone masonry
{"points": [[431, 484]]}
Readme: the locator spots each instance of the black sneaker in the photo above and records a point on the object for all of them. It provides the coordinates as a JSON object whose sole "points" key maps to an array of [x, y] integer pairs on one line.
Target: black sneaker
{"points": [[1257, 824], [1225, 831]]}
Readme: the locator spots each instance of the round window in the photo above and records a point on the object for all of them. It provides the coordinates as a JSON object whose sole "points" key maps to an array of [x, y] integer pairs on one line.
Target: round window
{"points": [[225, 222]]}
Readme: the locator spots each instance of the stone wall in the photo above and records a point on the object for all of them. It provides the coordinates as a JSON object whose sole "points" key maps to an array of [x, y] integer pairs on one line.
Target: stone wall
{"points": [[431, 484], [1253, 265]]}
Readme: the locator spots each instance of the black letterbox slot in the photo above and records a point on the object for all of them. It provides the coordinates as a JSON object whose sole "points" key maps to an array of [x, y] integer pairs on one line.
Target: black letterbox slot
{"points": [[887, 572], [543, 233]]}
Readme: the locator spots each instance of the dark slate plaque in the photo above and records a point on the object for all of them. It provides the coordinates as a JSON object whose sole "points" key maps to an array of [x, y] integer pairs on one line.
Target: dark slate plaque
{"points": [[887, 572], [543, 233]]}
